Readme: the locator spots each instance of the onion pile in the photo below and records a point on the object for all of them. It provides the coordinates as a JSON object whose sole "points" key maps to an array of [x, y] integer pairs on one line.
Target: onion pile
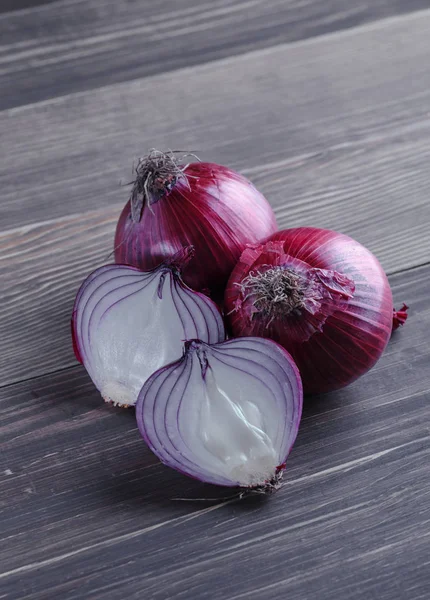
{"points": [[306, 308]]}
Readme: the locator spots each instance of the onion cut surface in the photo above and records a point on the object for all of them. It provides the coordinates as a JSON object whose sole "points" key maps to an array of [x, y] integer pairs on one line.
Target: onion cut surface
{"points": [[128, 323], [226, 414]]}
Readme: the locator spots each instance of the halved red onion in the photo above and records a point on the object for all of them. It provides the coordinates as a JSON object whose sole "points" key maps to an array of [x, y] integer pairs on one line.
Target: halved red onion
{"points": [[226, 414], [128, 323]]}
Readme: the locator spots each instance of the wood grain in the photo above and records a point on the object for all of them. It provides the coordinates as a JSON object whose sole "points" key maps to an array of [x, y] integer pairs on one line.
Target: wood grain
{"points": [[100, 522], [312, 109], [16, 5], [73, 45]]}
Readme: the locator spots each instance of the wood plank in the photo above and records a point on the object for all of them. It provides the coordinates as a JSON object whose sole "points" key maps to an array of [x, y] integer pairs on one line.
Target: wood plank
{"points": [[308, 104], [38, 295], [15, 5], [74, 45], [87, 511]]}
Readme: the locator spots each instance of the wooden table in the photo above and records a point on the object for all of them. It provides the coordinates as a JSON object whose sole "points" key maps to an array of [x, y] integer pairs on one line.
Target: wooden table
{"points": [[325, 105]]}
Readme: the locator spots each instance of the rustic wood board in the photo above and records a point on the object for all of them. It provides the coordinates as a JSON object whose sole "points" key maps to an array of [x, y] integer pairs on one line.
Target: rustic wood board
{"points": [[100, 522], [313, 109], [334, 129], [72, 45]]}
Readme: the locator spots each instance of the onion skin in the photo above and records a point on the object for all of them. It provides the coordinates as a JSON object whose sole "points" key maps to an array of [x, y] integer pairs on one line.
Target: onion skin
{"points": [[352, 335], [213, 208], [400, 316]]}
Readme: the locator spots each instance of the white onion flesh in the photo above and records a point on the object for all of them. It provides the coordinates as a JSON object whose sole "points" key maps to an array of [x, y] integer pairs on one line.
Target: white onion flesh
{"points": [[227, 414], [129, 323]]}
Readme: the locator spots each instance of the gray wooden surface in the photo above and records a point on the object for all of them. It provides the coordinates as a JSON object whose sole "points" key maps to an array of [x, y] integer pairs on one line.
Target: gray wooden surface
{"points": [[73, 45], [325, 106]]}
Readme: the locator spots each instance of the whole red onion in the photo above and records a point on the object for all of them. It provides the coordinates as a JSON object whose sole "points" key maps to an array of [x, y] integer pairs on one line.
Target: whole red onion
{"points": [[205, 205], [321, 295]]}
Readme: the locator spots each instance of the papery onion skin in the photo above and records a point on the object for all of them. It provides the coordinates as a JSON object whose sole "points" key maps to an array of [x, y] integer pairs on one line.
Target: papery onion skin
{"points": [[168, 386], [354, 328], [400, 316], [211, 207]]}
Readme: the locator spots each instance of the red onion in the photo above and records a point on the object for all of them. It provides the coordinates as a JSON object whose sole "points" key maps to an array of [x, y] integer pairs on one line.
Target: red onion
{"points": [[128, 323], [321, 295], [226, 414], [209, 206]]}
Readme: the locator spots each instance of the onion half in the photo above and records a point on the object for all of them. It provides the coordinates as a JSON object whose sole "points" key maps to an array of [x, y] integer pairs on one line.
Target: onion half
{"points": [[226, 414], [128, 323]]}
